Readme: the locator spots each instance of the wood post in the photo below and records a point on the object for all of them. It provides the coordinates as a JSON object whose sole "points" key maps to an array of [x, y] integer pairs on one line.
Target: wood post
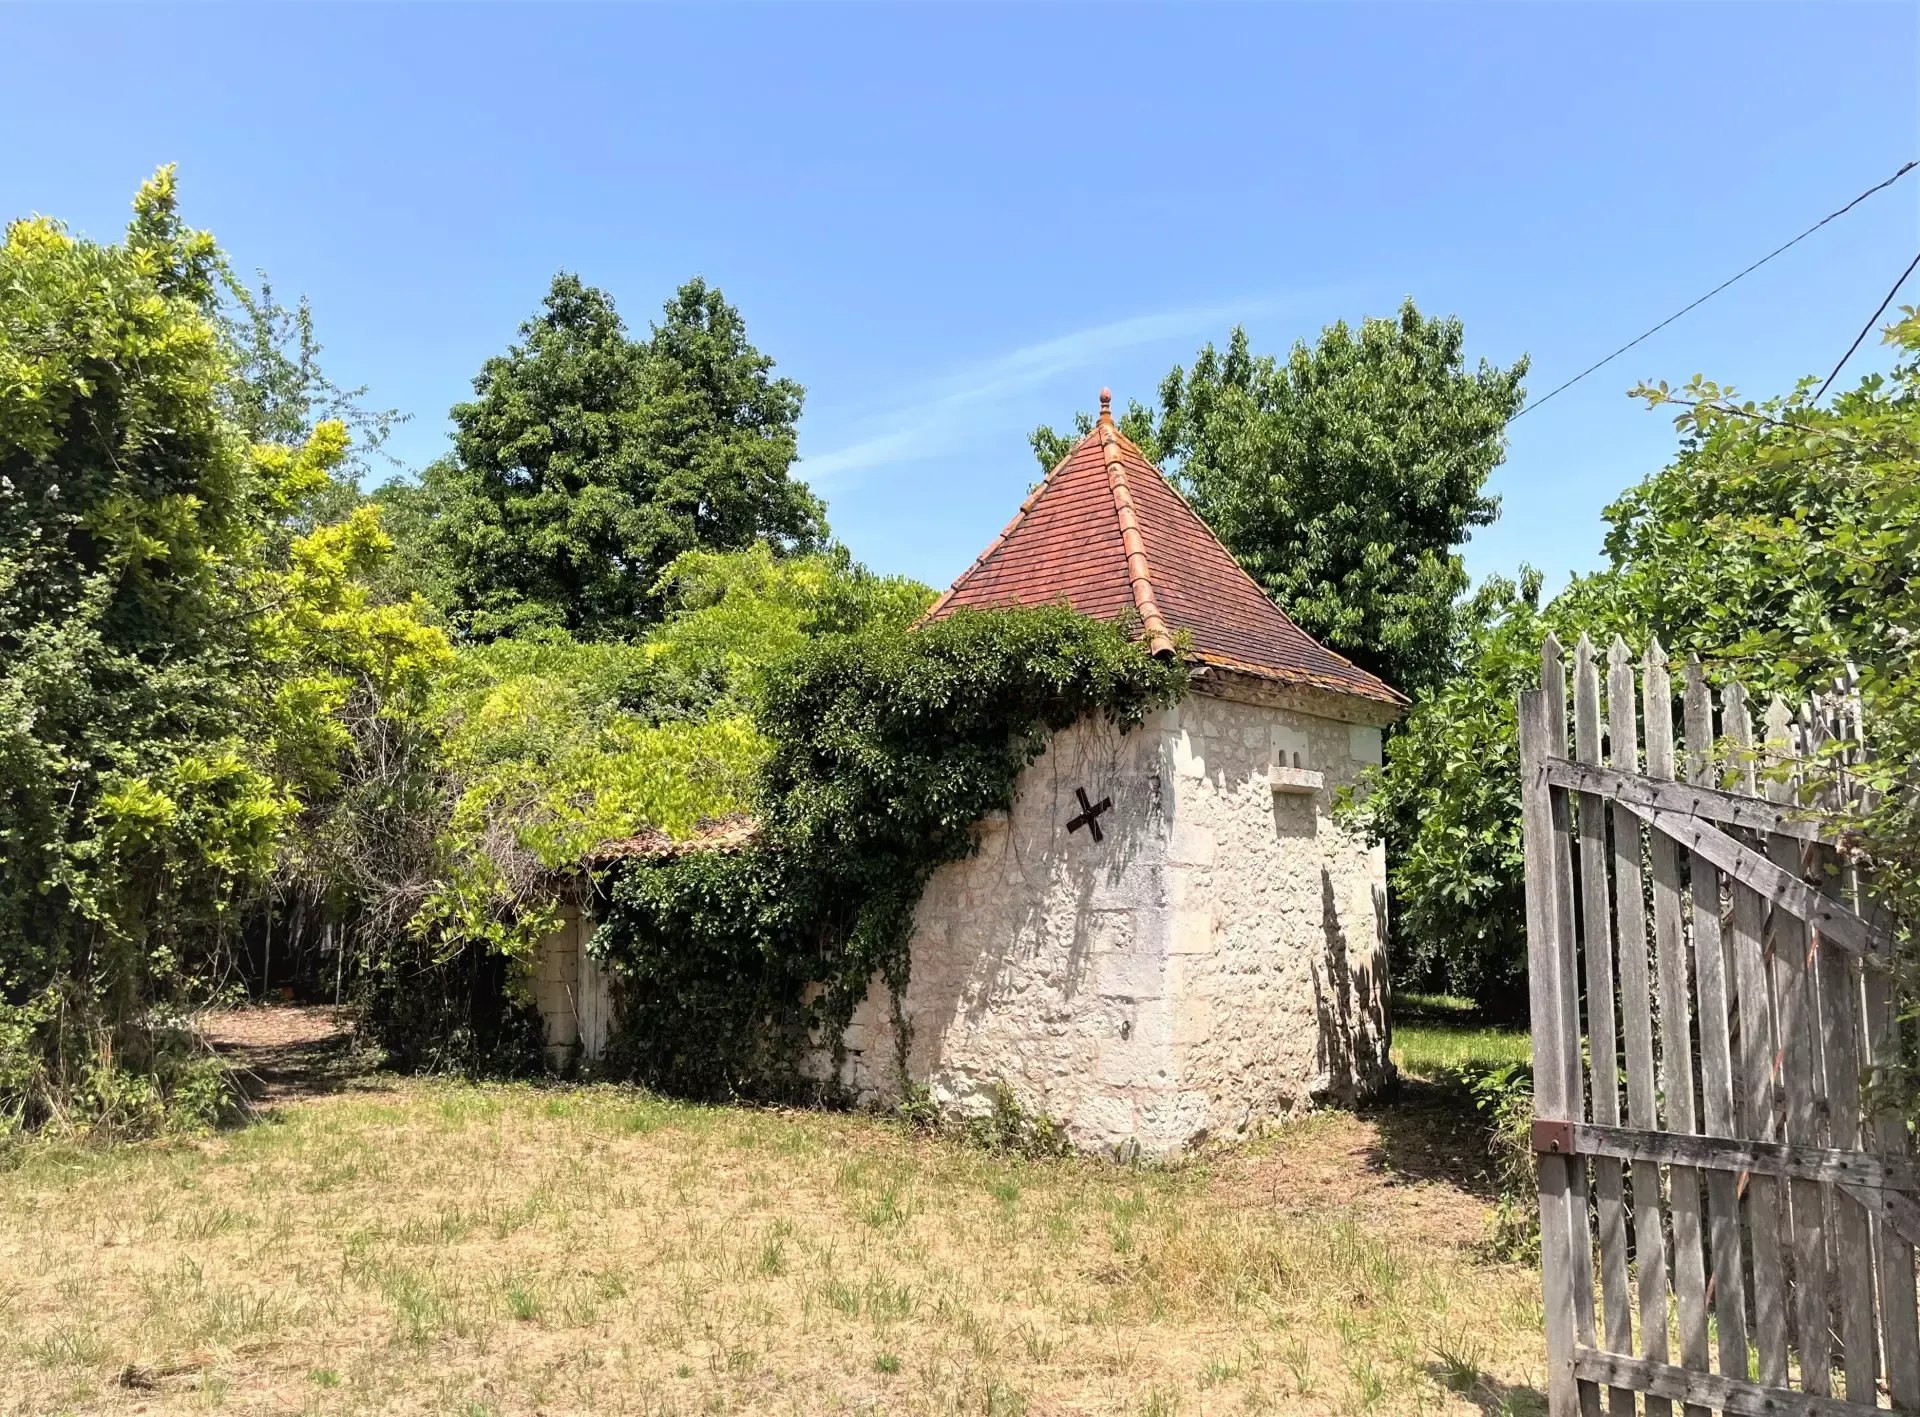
{"points": [[1551, 1036]]}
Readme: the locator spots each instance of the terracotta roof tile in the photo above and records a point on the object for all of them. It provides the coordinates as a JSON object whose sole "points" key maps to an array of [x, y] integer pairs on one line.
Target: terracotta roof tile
{"points": [[724, 834], [1106, 533]]}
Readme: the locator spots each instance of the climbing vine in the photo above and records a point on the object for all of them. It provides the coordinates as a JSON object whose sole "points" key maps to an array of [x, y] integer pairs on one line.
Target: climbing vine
{"points": [[886, 748]]}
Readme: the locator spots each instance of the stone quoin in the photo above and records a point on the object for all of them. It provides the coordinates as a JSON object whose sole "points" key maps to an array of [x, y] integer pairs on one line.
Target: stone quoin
{"points": [[1169, 937]]}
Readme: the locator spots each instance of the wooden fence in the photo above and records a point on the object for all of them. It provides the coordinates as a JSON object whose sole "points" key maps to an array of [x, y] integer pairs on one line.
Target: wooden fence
{"points": [[1723, 1226]]}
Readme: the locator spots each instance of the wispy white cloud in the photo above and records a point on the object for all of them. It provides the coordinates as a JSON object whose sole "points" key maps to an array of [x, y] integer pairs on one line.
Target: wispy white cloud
{"points": [[913, 430]]}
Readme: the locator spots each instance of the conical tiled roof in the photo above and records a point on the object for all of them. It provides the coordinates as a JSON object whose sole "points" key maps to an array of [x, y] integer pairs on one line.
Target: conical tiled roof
{"points": [[1106, 533]]}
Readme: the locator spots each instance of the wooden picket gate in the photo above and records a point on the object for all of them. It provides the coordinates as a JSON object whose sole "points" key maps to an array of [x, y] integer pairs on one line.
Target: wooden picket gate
{"points": [[1753, 1226]]}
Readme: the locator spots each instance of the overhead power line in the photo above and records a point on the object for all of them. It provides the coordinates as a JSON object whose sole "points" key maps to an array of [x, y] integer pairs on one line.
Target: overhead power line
{"points": [[1877, 187], [1874, 320]]}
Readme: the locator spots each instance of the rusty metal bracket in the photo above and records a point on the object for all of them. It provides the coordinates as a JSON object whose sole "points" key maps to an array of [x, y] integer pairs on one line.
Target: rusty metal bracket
{"points": [[1552, 1138]]}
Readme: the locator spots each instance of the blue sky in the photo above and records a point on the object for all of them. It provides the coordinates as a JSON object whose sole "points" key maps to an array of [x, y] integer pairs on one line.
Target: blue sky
{"points": [[953, 223]]}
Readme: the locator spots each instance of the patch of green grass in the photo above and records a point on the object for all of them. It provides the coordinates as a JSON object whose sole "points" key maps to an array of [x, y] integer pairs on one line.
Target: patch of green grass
{"points": [[205, 1224], [1458, 1360], [891, 1209], [1040, 1347], [1299, 1362], [1369, 1387], [71, 1345], [1436, 1035], [1410, 1003], [1159, 1404], [423, 1309], [842, 1296], [1219, 1371], [523, 1301], [888, 1301]]}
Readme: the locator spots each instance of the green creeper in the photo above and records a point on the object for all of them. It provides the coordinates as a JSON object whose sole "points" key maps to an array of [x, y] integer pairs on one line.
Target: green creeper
{"points": [[883, 749], [588, 461]]}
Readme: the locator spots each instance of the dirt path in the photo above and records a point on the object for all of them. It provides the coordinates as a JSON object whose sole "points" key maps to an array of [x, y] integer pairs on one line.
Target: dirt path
{"points": [[289, 1051]]}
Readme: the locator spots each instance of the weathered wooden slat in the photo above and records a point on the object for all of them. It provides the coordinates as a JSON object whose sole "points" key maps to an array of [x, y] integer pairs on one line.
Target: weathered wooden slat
{"points": [[1838, 991], [1553, 679], [1636, 994], [1703, 1390], [1603, 1048], [1893, 1242], [1838, 923], [1795, 1024], [1550, 1038], [1757, 1119], [1676, 1034], [1689, 800], [1894, 1219], [1716, 1052], [1733, 1155]]}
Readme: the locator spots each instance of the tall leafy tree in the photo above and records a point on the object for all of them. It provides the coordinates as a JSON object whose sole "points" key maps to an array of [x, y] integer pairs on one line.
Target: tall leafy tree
{"points": [[1137, 423], [588, 461], [172, 665], [1346, 478], [1448, 807], [1779, 546]]}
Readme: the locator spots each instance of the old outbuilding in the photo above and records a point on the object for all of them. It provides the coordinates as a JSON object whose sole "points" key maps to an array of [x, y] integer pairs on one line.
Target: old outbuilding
{"points": [[1170, 936]]}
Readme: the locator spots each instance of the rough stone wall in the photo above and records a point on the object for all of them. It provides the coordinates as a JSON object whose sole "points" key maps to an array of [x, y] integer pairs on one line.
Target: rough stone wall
{"points": [[1280, 962], [1041, 961], [1215, 962]]}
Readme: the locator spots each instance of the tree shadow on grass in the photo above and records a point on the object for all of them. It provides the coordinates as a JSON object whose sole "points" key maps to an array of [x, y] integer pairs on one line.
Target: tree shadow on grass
{"points": [[1430, 1131], [288, 1053], [1493, 1397]]}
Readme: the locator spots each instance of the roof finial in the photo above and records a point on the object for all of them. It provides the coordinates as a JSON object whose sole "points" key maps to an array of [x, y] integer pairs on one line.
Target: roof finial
{"points": [[1106, 405]]}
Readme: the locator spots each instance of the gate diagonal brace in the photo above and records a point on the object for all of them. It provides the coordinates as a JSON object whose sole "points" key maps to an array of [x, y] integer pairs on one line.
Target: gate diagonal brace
{"points": [[1670, 808]]}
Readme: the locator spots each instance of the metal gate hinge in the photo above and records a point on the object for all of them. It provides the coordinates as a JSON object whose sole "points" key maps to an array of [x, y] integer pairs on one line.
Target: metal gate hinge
{"points": [[1552, 1138]]}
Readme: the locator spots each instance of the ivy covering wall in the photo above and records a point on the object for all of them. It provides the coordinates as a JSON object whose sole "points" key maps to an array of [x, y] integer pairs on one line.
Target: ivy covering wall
{"points": [[886, 747]]}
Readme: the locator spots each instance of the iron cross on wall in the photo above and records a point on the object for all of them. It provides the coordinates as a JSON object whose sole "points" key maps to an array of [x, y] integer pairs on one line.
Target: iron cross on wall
{"points": [[1089, 813]]}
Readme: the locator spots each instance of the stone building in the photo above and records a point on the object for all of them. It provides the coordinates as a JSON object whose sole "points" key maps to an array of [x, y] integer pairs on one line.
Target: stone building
{"points": [[1169, 937]]}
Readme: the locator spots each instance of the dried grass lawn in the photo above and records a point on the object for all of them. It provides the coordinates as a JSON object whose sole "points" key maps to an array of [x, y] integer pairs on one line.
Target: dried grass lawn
{"points": [[430, 1247]]}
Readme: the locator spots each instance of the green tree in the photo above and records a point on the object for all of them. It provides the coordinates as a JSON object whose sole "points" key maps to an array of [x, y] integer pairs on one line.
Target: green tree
{"points": [[588, 461], [1448, 806], [739, 615], [279, 394], [171, 665], [1346, 479], [123, 500], [1136, 423], [1779, 547], [1803, 562], [436, 857]]}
